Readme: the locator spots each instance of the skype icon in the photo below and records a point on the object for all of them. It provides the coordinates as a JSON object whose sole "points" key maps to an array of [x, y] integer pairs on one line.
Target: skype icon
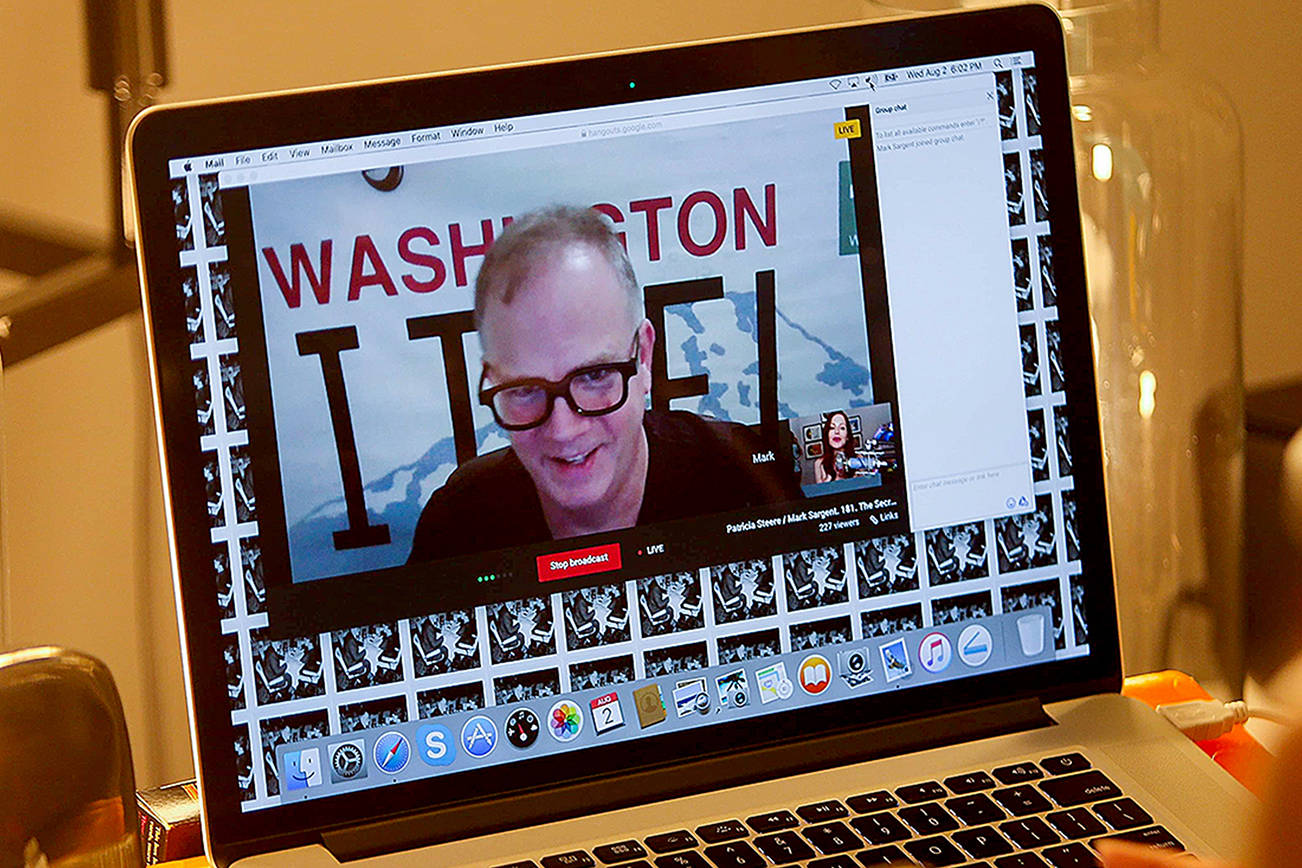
{"points": [[435, 745]]}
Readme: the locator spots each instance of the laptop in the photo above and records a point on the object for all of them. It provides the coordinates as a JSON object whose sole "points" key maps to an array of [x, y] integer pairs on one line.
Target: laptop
{"points": [[680, 457]]}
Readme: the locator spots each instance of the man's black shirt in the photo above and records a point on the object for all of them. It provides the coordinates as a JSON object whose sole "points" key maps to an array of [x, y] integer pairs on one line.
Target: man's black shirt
{"points": [[695, 466]]}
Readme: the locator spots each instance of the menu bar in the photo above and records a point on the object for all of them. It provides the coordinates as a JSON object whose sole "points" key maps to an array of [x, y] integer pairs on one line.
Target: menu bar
{"points": [[849, 88]]}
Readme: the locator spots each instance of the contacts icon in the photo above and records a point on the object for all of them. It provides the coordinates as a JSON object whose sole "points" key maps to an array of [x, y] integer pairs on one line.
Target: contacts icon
{"points": [[650, 706]]}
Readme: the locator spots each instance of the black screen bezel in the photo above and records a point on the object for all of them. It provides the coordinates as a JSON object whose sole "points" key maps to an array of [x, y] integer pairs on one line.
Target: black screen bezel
{"points": [[339, 112]]}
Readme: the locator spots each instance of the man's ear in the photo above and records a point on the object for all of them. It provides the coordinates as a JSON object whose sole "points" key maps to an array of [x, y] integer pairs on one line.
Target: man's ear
{"points": [[646, 341]]}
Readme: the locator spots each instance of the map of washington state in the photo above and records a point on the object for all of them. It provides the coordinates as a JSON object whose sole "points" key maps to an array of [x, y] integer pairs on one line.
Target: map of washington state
{"points": [[814, 376]]}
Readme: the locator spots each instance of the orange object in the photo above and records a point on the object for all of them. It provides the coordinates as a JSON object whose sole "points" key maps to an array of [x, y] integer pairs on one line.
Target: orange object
{"points": [[192, 862], [1237, 751]]}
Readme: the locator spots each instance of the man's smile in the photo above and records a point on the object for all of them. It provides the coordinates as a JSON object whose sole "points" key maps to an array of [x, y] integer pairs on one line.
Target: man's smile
{"points": [[575, 459]]}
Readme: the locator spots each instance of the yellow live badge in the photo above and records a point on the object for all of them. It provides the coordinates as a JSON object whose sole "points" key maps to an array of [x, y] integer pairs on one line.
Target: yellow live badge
{"points": [[847, 129]]}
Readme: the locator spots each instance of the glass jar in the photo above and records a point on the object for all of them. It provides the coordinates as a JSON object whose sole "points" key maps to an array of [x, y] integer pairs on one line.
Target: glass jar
{"points": [[1160, 176]]}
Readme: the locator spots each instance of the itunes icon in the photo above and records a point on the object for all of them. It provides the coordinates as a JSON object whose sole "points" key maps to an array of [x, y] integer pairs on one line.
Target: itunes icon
{"points": [[935, 652]]}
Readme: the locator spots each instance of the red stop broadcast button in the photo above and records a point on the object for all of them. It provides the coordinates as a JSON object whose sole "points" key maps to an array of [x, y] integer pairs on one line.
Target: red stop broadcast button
{"points": [[580, 562]]}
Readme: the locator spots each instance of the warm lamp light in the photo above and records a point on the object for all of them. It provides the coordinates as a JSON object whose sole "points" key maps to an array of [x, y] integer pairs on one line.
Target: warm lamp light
{"points": [[1101, 164], [1147, 388]]}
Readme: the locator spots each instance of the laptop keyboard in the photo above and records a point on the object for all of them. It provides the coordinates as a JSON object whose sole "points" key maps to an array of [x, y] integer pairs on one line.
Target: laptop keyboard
{"points": [[1025, 815]]}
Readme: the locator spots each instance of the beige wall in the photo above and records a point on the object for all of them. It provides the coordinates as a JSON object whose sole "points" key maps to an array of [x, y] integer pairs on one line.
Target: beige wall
{"points": [[88, 563], [1250, 49], [87, 545]]}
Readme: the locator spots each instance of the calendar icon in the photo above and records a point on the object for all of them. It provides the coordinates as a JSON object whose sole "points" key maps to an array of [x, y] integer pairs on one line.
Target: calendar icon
{"points": [[606, 713]]}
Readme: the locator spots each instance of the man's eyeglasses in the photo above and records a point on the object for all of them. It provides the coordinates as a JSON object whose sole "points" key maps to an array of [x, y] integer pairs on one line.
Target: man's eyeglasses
{"points": [[593, 390]]}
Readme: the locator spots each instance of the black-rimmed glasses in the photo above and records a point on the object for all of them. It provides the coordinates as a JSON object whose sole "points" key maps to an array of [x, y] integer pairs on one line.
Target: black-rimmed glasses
{"points": [[593, 390]]}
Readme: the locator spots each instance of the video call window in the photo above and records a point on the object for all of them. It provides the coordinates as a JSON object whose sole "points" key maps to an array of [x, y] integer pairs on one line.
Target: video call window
{"points": [[475, 356]]}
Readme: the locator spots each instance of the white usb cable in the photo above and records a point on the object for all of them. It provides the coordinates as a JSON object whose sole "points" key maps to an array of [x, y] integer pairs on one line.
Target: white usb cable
{"points": [[1201, 719]]}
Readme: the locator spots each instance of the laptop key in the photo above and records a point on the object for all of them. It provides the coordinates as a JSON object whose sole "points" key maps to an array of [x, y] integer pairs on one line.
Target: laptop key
{"points": [[773, 821], [888, 855], [935, 852], [620, 852], [870, 802], [728, 830], [1065, 764], [1080, 789], [1030, 833], [1073, 855], [1123, 814], [783, 848], [841, 861], [735, 854], [1080, 823], [832, 838], [668, 842], [970, 783], [926, 791], [982, 842], [690, 859], [881, 828], [573, 859], [641, 863], [1153, 836], [526, 863], [928, 819], [976, 810], [1019, 773], [821, 812], [1020, 860], [1022, 800]]}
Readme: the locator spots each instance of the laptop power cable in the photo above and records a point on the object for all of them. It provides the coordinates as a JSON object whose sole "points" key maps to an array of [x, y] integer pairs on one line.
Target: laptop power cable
{"points": [[1203, 719]]}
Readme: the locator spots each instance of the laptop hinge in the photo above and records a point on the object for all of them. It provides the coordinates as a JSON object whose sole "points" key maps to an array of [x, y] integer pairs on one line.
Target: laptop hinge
{"points": [[563, 801]]}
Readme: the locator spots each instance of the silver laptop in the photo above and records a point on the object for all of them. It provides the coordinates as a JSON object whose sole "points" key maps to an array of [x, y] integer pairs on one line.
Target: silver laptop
{"points": [[686, 457]]}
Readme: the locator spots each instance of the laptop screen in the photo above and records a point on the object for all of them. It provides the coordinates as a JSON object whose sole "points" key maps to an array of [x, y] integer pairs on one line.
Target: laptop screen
{"points": [[538, 433]]}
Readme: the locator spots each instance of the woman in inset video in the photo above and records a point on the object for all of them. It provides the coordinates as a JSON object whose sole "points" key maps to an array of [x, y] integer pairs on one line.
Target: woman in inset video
{"points": [[838, 448]]}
